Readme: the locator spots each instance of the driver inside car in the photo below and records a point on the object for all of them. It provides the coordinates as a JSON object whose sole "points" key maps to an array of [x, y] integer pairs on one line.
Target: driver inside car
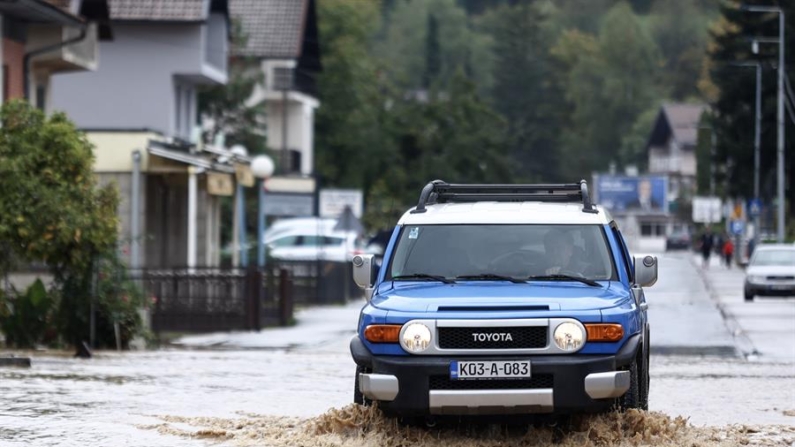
{"points": [[561, 254]]}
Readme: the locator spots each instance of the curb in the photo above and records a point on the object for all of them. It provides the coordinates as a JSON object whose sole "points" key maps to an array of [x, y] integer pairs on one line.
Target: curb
{"points": [[20, 362], [743, 342]]}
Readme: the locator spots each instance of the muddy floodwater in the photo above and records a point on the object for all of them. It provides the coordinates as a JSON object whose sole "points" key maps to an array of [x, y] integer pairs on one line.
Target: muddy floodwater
{"points": [[287, 397]]}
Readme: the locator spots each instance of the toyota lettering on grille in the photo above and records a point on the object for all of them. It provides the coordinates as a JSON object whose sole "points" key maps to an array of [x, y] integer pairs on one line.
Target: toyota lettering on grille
{"points": [[498, 336]]}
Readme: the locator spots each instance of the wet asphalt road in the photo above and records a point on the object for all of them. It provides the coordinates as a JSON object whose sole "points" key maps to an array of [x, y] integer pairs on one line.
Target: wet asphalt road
{"points": [[113, 398]]}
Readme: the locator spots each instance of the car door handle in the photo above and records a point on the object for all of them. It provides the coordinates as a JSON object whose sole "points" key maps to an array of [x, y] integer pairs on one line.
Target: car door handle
{"points": [[644, 306]]}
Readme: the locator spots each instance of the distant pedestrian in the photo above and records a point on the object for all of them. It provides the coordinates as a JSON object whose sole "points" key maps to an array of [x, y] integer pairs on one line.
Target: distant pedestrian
{"points": [[706, 246], [728, 252]]}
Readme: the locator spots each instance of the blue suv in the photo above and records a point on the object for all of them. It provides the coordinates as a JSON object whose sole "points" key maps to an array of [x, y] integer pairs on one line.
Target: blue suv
{"points": [[503, 299]]}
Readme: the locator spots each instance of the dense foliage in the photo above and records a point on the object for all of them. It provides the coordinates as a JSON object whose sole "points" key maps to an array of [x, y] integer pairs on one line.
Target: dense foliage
{"points": [[496, 90], [733, 91], [52, 212]]}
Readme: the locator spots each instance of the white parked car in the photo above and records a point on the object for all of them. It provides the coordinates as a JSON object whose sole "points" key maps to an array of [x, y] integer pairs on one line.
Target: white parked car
{"points": [[310, 244], [284, 226], [771, 272]]}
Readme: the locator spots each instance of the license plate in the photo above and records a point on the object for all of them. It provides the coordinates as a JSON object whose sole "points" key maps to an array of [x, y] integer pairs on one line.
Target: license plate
{"points": [[517, 369]]}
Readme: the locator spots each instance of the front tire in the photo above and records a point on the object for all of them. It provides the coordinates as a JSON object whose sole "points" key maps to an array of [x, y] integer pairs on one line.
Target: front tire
{"points": [[749, 297], [632, 398], [645, 379]]}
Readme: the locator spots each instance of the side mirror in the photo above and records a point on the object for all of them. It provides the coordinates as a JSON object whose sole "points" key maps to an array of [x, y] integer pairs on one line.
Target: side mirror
{"points": [[645, 270], [363, 271]]}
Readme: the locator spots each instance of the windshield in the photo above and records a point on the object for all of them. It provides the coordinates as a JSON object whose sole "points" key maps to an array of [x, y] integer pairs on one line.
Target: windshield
{"points": [[517, 251], [774, 257]]}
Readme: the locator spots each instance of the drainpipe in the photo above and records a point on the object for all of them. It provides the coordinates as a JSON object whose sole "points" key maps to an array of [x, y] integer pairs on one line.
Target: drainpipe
{"points": [[31, 54], [135, 248]]}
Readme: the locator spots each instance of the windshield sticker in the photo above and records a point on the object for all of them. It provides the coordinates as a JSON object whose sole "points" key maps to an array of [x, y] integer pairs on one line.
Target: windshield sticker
{"points": [[414, 233]]}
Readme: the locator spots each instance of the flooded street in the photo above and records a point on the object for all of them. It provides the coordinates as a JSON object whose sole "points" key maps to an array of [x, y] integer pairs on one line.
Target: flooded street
{"points": [[281, 395]]}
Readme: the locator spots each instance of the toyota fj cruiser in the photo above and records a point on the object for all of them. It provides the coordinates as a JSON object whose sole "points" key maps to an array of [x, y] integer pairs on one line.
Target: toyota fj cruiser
{"points": [[503, 299]]}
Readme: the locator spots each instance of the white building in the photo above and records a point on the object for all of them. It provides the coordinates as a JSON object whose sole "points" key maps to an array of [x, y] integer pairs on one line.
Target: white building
{"points": [[282, 36]]}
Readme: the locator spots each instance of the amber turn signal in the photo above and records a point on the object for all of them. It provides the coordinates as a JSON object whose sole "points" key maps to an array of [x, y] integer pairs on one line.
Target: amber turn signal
{"points": [[382, 333], [604, 332]]}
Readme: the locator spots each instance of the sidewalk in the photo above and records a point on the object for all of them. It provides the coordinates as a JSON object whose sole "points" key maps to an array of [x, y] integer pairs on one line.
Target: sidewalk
{"points": [[314, 326], [763, 329]]}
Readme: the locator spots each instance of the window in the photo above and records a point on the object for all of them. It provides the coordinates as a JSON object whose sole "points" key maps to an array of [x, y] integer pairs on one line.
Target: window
{"points": [[286, 241], [512, 250], [624, 251], [178, 109], [769, 257], [652, 229], [335, 241], [41, 96]]}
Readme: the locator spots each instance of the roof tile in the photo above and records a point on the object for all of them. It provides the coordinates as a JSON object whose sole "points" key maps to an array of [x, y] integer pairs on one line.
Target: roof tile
{"points": [[165, 10], [273, 28]]}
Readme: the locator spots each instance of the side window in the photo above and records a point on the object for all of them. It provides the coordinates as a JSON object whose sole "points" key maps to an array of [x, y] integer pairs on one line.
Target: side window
{"points": [[624, 252], [286, 241], [332, 240], [310, 241]]}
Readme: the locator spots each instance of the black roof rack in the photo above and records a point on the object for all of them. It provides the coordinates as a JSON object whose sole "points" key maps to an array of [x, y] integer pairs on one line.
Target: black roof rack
{"points": [[439, 191]]}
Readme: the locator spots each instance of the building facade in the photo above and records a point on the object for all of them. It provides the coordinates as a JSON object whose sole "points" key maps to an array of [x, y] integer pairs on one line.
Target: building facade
{"points": [[139, 109], [282, 37]]}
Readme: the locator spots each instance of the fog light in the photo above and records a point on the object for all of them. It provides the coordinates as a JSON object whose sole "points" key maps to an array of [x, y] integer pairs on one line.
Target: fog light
{"points": [[416, 337], [569, 337]]}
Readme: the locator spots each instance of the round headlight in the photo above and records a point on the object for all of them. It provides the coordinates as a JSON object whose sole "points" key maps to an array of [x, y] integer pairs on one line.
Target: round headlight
{"points": [[569, 337], [416, 337]]}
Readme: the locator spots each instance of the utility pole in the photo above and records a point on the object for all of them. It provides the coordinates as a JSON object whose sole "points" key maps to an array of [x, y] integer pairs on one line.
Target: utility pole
{"points": [[757, 148]]}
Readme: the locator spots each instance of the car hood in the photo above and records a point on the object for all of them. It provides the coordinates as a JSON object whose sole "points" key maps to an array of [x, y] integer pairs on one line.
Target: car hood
{"points": [[489, 296], [765, 270]]}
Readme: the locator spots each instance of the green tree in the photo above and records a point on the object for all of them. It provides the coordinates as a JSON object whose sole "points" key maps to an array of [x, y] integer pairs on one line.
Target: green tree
{"points": [[633, 144], [609, 82], [523, 93], [351, 132], [734, 109], [228, 107], [432, 145], [679, 27], [405, 48], [51, 208]]}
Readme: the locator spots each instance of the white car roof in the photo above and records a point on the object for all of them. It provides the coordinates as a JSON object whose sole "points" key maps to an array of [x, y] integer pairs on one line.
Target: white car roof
{"points": [[506, 213]]}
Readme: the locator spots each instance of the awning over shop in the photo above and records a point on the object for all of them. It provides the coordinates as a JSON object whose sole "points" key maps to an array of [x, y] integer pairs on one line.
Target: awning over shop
{"points": [[181, 154]]}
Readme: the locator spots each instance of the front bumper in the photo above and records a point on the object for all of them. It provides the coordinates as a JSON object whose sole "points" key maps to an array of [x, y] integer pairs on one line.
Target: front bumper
{"points": [[419, 385]]}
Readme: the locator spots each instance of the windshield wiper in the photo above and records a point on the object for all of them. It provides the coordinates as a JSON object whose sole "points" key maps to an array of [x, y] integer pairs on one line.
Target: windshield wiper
{"points": [[492, 276], [425, 276], [559, 277]]}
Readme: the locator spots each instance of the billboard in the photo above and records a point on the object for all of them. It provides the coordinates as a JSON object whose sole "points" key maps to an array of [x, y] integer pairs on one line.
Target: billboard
{"points": [[333, 201], [643, 194], [707, 209]]}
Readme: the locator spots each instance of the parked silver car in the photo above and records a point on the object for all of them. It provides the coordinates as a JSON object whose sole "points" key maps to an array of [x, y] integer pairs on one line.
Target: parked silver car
{"points": [[771, 272]]}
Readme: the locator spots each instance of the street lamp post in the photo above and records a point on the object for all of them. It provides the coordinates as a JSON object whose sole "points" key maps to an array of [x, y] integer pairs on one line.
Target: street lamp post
{"points": [[262, 168], [757, 133], [780, 112]]}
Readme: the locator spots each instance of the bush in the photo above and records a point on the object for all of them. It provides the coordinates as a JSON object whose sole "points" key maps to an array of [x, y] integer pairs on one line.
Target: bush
{"points": [[116, 299], [26, 318]]}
